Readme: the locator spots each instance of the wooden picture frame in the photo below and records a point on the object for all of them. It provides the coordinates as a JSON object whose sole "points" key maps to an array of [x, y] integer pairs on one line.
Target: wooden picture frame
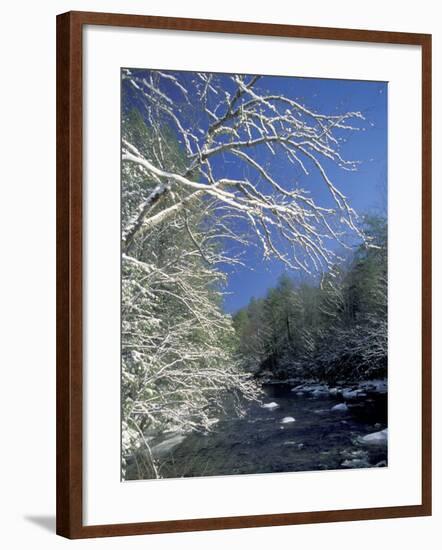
{"points": [[70, 273]]}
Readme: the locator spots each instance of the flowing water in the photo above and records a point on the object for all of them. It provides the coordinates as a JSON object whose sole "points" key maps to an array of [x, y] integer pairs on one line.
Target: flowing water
{"points": [[260, 442]]}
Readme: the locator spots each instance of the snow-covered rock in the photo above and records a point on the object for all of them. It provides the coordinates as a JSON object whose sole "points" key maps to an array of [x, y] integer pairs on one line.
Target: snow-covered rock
{"points": [[375, 386], [355, 459], [359, 453], [352, 394], [375, 438], [355, 463], [165, 447], [313, 388], [287, 420], [304, 384], [270, 406], [352, 391], [319, 391], [340, 407], [298, 446]]}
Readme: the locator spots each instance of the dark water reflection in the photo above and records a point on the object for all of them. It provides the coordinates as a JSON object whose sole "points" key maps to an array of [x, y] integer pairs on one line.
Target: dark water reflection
{"points": [[319, 439]]}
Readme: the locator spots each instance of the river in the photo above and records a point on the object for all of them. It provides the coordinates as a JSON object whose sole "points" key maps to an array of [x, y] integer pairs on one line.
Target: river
{"points": [[313, 437]]}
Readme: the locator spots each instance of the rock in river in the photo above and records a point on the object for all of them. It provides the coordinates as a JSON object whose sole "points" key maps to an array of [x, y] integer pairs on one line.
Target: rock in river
{"points": [[271, 406], [340, 407], [375, 438], [166, 447]]}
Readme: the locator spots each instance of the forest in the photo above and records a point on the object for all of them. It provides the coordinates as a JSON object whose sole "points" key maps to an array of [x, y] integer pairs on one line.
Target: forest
{"points": [[335, 330], [205, 160]]}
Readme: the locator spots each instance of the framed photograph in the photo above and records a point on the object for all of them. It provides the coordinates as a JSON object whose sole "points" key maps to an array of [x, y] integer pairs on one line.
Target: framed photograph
{"points": [[243, 274]]}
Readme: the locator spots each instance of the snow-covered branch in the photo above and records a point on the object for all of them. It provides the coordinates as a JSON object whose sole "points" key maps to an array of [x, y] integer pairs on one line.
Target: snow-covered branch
{"points": [[272, 141]]}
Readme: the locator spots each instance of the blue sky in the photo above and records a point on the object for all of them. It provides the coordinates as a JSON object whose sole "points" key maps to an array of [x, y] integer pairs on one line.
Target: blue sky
{"points": [[365, 189]]}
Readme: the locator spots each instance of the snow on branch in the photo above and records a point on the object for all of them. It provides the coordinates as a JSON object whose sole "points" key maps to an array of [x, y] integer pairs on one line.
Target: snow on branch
{"points": [[271, 142]]}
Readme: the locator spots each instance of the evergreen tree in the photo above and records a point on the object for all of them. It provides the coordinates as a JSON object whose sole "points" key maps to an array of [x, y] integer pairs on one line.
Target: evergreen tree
{"points": [[333, 330]]}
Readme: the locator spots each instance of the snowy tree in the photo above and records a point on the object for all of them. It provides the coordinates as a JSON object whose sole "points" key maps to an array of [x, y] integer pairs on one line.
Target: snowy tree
{"points": [[177, 345], [268, 139]]}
